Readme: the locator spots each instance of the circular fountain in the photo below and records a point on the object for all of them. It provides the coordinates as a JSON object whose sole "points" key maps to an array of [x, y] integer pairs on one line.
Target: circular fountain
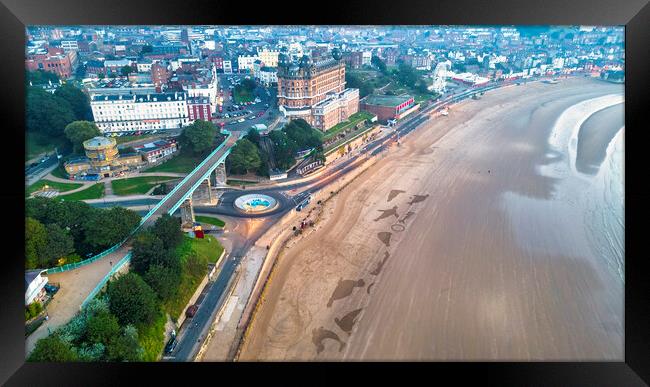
{"points": [[255, 203]]}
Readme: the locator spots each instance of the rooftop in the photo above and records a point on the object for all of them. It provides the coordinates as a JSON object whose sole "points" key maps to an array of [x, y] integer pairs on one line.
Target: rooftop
{"points": [[99, 141], [386, 100]]}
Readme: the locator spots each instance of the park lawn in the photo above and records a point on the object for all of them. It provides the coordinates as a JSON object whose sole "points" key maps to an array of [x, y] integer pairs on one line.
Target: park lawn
{"points": [[183, 163], [95, 191], [59, 172], [208, 247], [207, 252], [137, 185], [61, 187], [152, 338], [242, 95], [350, 122], [210, 220]]}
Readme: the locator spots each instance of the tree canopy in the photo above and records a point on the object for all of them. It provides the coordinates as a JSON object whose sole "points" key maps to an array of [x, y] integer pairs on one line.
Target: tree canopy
{"points": [[40, 77], [379, 64], [131, 300], [47, 113], [79, 131], [149, 250], [163, 280], [200, 135], [52, 349], [244, 157], [353, 81], [79, 102], [102, 328], [35, 243], [107, 228], [168, 229]]}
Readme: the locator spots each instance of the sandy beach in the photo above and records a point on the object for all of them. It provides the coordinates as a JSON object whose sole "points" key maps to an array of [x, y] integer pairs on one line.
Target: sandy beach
{"points": [[473, 240]]}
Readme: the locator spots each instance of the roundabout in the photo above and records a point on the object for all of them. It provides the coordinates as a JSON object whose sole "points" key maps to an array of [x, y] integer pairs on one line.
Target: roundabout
{"points": [[255, 203]]}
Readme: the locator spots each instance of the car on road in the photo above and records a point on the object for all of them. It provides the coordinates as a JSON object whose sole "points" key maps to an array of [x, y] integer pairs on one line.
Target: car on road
{"points": [[191, 311], [241, 120], [252, 118], [171, 344]]}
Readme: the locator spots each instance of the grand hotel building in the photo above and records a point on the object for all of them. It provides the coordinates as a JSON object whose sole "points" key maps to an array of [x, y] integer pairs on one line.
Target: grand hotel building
{"points": [[315, 91]]}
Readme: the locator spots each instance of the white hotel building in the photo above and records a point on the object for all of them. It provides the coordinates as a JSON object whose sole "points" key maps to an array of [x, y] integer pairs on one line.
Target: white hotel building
{"points": [[128, 113]]}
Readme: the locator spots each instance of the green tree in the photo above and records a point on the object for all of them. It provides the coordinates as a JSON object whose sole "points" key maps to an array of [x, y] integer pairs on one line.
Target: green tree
{"points": [[79, 131], [59, 244], [40, 77], [146, 49], [249, 85], [407, 75], [284, 149], [253, 136], [131, 300], [125, 347], [106, 228], [244, 157], [35, 242], [379, 64], [200, 135], [168, 229], [148, 250], [163, 280], [52, 349], [126, 70], [102, 327], [47, 113], [79, 102], [353, 81], [302, 134]]}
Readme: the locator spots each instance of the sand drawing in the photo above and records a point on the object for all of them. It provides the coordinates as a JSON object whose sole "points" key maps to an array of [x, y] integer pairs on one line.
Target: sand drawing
{"points": [[392, 194], [347, 322], [380, 265], [418, 198], [408, 215], [344, 289], [320, 334], [384, 237], [387, 213]]}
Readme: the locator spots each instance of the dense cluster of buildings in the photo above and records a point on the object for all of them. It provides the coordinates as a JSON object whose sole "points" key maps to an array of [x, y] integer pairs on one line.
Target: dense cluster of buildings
{"points": [[164, 77]]}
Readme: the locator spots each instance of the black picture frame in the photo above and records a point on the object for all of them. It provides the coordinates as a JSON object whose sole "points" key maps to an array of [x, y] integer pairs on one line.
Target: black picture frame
{"points": [[634, 14]]}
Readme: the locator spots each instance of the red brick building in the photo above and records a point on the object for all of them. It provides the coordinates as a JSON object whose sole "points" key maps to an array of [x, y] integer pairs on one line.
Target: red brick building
{"points": [[54, 61], [199, 108], [387, 107], [159, 75], [354, 59]]}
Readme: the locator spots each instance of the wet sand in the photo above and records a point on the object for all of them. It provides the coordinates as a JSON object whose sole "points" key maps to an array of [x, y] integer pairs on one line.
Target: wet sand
{"points": [[595, 135], [448, 275]]}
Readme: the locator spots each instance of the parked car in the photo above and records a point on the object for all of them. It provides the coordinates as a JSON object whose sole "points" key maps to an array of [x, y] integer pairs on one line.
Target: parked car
{"points": [[191, 311], [51, 289], [241, 120], [171, 345]]}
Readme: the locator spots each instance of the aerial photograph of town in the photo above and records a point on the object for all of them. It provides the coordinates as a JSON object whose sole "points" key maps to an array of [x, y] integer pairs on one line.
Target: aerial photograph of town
{"points": [[324, 193]]}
